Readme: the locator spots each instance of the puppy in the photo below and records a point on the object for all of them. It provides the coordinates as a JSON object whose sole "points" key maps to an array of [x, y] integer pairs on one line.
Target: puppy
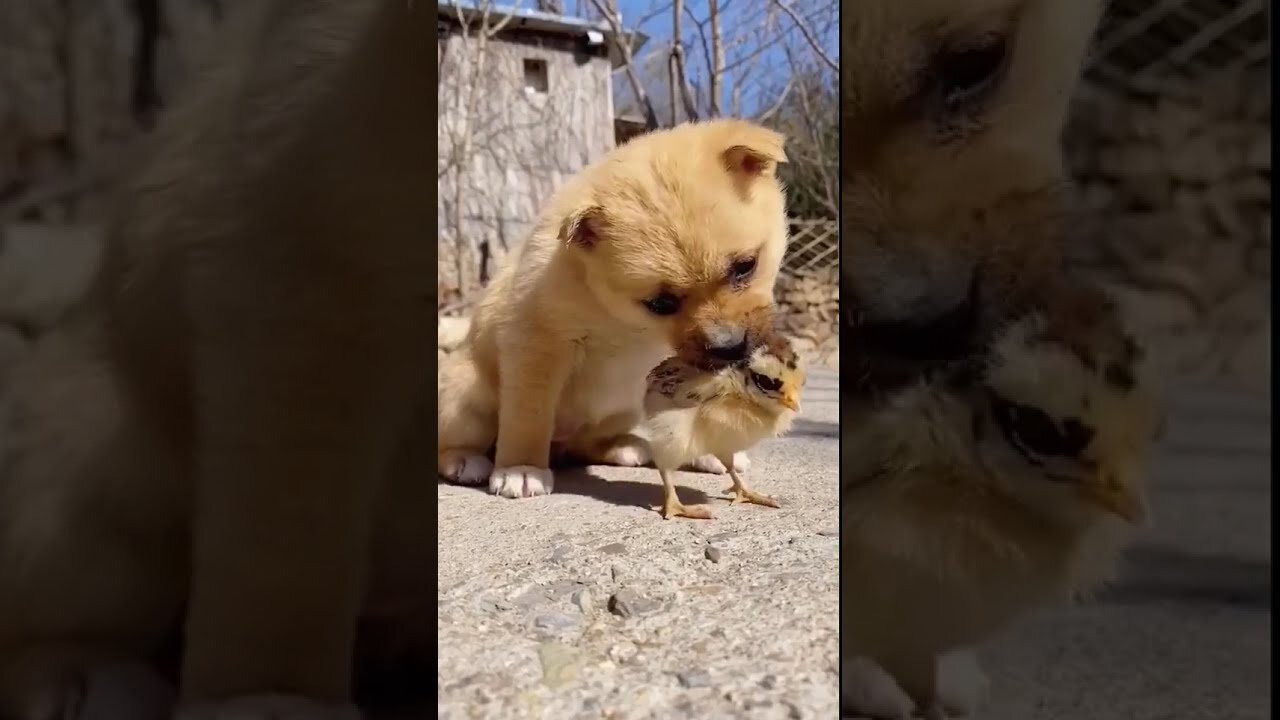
{"points": [[204, 448], [670, 242], [950, 206]]}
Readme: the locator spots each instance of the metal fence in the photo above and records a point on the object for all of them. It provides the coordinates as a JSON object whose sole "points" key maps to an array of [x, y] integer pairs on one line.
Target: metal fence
{"points": [[1141, 42], [814, 246]]}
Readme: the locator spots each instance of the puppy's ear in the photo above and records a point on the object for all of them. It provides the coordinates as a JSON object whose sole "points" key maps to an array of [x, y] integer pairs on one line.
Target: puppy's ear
{"points": [[581, 227], [755, 153]]}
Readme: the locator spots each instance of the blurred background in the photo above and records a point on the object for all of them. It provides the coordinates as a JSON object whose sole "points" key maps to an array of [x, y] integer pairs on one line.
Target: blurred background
{"points": [[1170, 145], [1170, 142]]}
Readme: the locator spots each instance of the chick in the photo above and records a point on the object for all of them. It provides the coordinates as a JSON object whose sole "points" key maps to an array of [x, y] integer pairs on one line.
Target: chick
{"points": [[694, 411], [976, 495]]}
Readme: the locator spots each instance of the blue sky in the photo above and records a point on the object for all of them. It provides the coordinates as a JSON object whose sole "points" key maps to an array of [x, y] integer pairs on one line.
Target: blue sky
{"points": [[758, 62]]}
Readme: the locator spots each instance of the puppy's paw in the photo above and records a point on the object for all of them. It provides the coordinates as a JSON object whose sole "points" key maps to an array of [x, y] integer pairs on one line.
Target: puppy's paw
{"points": [[269, 707], [126, 691], [521, 481], [963, 687], [707, 464], [465, 468], [106, 692], [866, 690], [711, 464], [627, 454]]}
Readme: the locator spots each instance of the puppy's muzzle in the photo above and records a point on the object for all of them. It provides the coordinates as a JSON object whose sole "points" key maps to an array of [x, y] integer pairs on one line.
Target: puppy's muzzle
{"points": [[726, 344]]}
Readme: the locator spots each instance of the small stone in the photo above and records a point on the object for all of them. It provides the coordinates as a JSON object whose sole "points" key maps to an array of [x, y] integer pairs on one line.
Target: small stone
{"points": [[560, 553], [626, 603], [554, 621], [713, 553], [613, 549], [769, 682], [829, 532], [616, 572], [623, 653], [559, 663], [693, 678], [582, 600]]}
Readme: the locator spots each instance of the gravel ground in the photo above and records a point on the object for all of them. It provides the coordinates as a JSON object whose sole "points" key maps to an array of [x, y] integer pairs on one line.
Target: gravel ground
{"points": [[587, 604], [603, 610]]}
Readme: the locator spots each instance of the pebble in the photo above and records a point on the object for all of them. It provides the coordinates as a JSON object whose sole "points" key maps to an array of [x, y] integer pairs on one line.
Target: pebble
{"points": [[829, 533], [613, 549], [616, 572], [559, 663], [693, 678], [582, 600], [623, 653], [713, 553], [554, 621], [627, 603]]}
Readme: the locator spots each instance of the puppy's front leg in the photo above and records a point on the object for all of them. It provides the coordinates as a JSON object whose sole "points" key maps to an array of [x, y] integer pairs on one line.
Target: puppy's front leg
{"points": [[299, 415], [532, 378]]}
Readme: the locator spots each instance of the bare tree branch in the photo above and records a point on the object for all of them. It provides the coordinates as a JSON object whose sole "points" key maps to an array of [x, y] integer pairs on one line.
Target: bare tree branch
{"points": [[679, 76], [717, 58], [623, 46], [809, 37]]}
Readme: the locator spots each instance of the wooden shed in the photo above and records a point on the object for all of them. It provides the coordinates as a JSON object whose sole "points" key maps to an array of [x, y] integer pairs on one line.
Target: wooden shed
{"points": [[526, 100]]}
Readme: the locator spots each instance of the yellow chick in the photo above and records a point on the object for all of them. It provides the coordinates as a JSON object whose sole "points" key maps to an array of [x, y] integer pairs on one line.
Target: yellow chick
{"points": [[976, 495], [694, 411]]}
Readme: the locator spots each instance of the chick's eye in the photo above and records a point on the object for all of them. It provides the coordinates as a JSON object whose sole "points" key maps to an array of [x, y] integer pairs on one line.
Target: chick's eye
{"points": [[664, 303], [742, 270], [963, 75], [1031, 430], [766, 383]]}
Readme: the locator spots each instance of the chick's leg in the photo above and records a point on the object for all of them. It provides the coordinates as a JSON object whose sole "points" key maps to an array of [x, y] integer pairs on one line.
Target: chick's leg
{"points": [[671, 505], [741, 493]]}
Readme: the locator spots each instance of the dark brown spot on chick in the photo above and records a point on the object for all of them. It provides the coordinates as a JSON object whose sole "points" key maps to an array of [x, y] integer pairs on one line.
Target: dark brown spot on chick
{"points": [[1119, 377]]}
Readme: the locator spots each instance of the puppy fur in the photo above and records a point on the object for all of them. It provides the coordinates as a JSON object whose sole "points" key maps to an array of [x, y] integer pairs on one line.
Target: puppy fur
{"points": [[210, 435], [562, 341], [951, 115]]}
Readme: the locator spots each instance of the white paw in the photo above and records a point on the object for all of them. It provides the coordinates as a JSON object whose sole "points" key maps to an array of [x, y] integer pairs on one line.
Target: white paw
{"points": [[711, 464], [467, 469], [126, 691], [866, 690], [269, 707], [521, 481], [628, 455], [708, 464], [962, 685]]}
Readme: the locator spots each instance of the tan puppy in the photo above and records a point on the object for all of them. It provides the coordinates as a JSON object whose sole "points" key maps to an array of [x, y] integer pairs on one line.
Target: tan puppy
{"points": [[950, 214], [950, 122], [672, 241], [213, 431]]}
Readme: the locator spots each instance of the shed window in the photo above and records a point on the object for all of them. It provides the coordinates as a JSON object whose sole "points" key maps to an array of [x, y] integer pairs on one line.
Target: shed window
{"points": [[535, 75]]}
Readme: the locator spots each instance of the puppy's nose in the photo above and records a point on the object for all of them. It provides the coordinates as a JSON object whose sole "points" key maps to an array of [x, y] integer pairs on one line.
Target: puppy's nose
{"points": [[727, 344]]}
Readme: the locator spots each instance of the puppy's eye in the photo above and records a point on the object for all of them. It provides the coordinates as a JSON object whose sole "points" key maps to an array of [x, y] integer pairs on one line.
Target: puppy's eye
{"points": [[1032, 432], [766, 383], [742, 270], [664, 303], [963, 75]]}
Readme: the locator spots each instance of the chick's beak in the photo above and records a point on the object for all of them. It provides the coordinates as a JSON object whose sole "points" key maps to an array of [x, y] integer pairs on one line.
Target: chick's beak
{"points": [[790, 401], [1109, 494]]}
